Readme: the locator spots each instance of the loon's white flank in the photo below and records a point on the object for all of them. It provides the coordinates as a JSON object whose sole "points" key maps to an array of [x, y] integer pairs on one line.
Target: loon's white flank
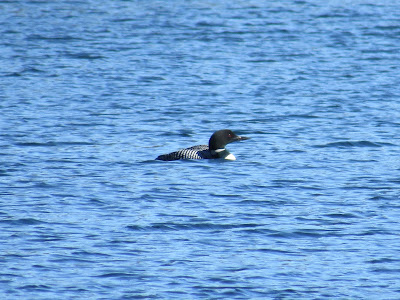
{"points": [[225, 154]]}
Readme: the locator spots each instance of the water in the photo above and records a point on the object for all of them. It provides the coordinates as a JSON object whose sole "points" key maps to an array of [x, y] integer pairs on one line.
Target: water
{"points": [[91, 92]]}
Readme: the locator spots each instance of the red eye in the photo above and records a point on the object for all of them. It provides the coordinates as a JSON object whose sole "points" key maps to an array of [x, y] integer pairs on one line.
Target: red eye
{"points": [[229, 135]]}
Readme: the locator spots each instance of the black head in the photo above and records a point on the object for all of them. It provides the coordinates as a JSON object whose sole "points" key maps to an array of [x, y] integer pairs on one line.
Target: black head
{"points": [[220, 138]]}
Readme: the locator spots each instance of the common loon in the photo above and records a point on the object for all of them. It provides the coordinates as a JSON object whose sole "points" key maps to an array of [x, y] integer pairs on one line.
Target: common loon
{"points": [[215, 148]]}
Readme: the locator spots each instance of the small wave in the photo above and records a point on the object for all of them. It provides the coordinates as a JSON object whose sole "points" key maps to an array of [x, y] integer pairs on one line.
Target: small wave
{"points": [[60, 39], [340, 216], [52, 144], [210, 24], [274, 251], [117, 275], [151, 78], [84, 55], [386, 271], [383, 260], [306, 233], [22, 72], [84, 253], [189, 226], [13, 74], [122, 20], [350, 144], [23, 221], [71, 260], [35, 287], [47, 238], [4, 173]]}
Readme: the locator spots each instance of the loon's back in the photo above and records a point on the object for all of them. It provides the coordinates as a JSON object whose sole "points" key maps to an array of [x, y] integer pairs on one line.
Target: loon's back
{"points": [[195, 152]]}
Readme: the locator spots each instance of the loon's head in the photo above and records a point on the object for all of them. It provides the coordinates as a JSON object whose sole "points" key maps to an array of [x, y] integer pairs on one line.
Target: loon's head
{"points": [[221, 138]]}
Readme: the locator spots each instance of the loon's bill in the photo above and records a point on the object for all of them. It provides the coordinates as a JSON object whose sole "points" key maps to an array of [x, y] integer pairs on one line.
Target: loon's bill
{"points": [[215, 148]]}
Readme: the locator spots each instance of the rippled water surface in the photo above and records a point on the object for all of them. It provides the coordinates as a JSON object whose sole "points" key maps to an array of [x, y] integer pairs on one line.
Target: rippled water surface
{"points": [[92, 91]]}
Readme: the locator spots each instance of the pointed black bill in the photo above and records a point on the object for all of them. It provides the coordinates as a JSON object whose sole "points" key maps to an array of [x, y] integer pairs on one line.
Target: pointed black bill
{"points": [[240, 138]]}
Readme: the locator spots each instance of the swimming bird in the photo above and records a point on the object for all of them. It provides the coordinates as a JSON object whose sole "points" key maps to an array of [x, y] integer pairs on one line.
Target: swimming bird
{"points": [[215, 148]]}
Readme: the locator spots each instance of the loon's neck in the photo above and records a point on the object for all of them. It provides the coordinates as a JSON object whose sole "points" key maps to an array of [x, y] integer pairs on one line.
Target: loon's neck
{"points": [[223, 153]]}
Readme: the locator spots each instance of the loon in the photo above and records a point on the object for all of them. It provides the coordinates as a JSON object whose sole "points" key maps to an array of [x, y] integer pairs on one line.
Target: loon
{"points": [[215, 148]]}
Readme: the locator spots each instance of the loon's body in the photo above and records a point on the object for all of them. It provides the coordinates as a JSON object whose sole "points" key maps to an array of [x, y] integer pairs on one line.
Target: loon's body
{"points": [[215, 148]]}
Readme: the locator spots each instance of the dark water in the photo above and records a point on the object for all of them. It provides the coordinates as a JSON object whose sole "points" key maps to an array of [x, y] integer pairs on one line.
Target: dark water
{"points": [[92, 91]]}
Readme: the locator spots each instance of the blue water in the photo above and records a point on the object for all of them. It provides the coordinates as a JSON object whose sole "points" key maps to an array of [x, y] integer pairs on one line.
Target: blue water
{"points": [[92, 91]]}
